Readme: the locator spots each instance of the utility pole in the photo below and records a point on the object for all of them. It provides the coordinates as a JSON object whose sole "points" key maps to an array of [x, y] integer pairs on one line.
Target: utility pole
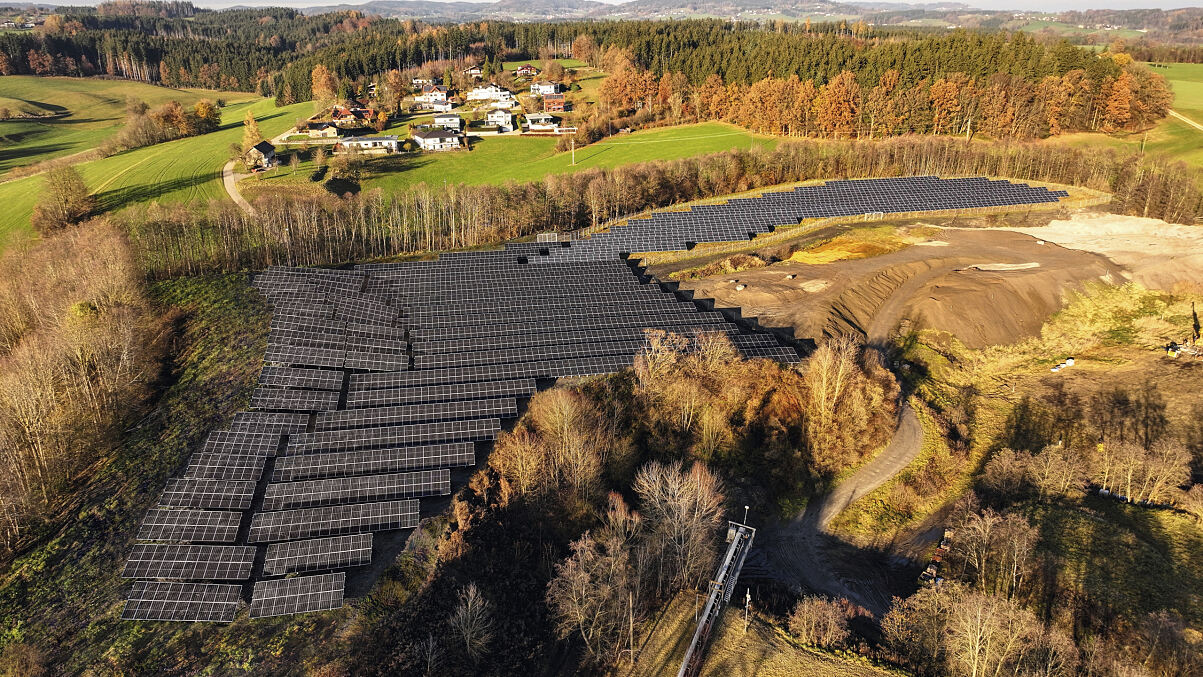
{"points": [[747, 605]]}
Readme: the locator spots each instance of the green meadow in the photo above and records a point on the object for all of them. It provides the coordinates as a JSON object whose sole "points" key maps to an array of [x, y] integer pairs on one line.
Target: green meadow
{"points": [[496, 160], [86, 112], [184, 170]]}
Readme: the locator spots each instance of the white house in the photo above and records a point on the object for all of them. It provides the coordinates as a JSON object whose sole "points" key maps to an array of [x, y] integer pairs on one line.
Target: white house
{"points": [[442, 106], [503, 119], [418, 82], [473, 71], [449, 121], [541, 122], [490, 92], [262, 154], [437, 139], [371, 144], [432, 94], [540, 88]]}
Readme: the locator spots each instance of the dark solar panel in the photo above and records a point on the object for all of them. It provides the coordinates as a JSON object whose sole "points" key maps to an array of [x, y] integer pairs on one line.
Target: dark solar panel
{"points": [[201, 526], [318, 554], [190, 562], [297, 595], [189, 602]]}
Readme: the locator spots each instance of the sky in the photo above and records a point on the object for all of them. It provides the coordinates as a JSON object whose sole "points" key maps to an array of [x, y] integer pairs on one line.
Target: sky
{"points": [[1028, 5]]}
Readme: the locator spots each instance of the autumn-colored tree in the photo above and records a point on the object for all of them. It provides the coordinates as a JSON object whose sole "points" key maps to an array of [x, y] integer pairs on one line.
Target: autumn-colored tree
{"points": [[6, 66], [323, 87], [837, 105], [1117, 102], [945, 104], [584, 49], [63, 201], [394, 85], [250, 131], [208, 116]]}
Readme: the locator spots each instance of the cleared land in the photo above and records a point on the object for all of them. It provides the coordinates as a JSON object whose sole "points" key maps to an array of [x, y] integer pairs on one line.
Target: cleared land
{"points": [[87, 111], [185, 170]]}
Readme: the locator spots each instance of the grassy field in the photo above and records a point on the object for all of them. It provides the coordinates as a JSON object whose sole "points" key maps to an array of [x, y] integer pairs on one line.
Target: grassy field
{"points": [[1061, 28], [1170, 137], [763, 651], [185, 170], [88, 112], [495, 160], [538, 63]]}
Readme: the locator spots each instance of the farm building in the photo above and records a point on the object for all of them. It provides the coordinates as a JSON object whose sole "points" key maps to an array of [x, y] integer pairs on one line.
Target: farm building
{"points": [[371, 144], [437, 140]]}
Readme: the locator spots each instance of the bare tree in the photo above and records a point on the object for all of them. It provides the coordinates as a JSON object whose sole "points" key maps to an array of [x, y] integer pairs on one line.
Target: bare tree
{"points": [[819, 621], [472, 622], [431, 653], [683, 510]]}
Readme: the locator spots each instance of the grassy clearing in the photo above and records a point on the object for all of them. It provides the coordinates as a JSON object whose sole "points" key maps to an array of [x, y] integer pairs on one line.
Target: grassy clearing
{"points": [[89, 111], [1061, 28], [1136, 560], [496, 160], [184, 170], [538, 63], [764, 651], [65, 593]]}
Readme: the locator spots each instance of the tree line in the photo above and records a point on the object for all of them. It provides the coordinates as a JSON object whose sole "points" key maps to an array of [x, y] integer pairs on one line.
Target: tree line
{"points": [[80, 345], [1123, 95], [316, 230]]}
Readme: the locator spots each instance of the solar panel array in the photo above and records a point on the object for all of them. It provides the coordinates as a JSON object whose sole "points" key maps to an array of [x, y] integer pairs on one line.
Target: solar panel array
{"points": [[379, 380]]}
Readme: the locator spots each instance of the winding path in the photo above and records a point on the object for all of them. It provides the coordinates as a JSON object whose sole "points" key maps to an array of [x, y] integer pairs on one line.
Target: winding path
{"points": [[1187, 120], [230, 181], [797, 552]]}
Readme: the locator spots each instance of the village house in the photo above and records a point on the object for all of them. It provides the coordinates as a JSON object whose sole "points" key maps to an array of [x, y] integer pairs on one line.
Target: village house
{"points": [[319, 130], [437, 140], [442, 106], [490, 91], [555, 103], [503, 119], [541, 88], [370, 144], [262, 154], [432, 94], [449, 121], [541, 122], [473, 72], [352, 118], [419, 82], [526, 71]]}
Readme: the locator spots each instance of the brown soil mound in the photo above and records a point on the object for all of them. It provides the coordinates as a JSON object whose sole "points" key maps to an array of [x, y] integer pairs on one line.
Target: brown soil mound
{"points": [[984, 286]]}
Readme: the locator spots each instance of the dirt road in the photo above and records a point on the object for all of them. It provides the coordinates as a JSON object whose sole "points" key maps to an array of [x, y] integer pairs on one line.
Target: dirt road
{"points": [[230, 181], [1187, 120], [800, 553]]}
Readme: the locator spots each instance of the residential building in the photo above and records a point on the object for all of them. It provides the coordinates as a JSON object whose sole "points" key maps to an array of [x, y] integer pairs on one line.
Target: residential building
{"points": [[473, 71], [503, 119], [541, 88], [371, 144], [319, 130], [490, 91], [432, 94], [442, 106], [352, 118], [526, 71], [419, 82], [555, 103], [262, 154], [437, 140], [449, 121], [542, 122]]}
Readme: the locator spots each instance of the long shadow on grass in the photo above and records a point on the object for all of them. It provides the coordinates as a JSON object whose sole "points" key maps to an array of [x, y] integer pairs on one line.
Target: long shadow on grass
{"points": [[126, 195]]}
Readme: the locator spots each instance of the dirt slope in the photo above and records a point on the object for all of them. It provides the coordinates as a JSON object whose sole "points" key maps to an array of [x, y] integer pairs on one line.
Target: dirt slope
{"points": [[985, 286]]}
